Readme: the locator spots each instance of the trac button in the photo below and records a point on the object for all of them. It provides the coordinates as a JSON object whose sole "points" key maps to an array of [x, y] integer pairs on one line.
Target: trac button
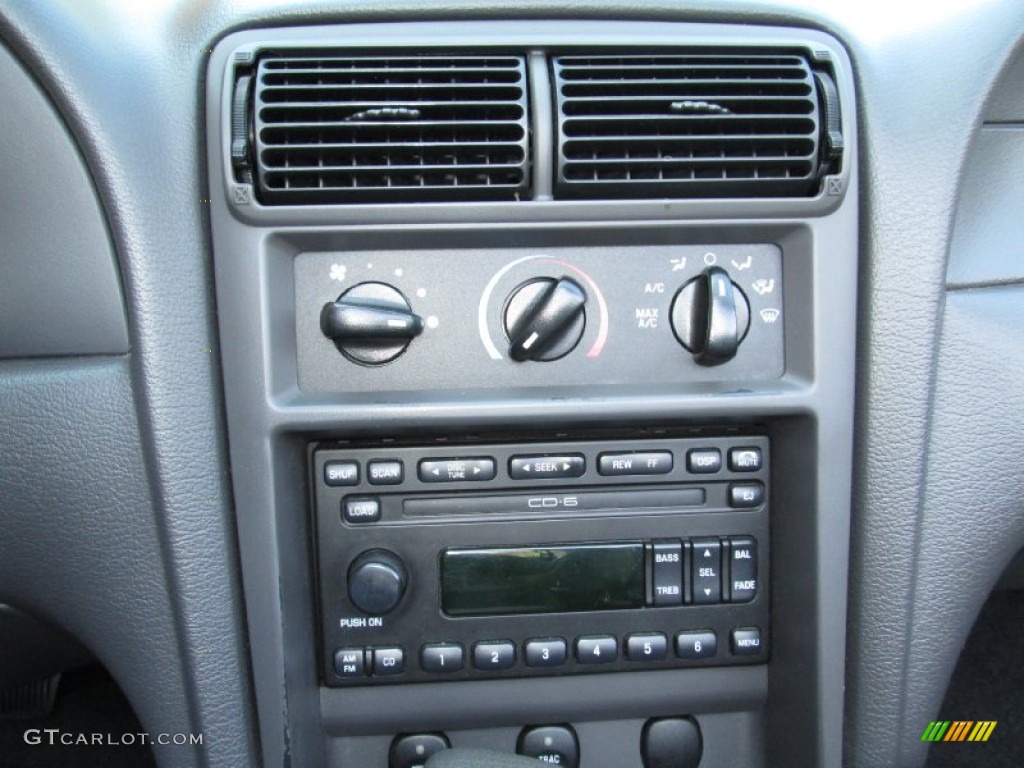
{"points": [[640, 463], [544, 467]]}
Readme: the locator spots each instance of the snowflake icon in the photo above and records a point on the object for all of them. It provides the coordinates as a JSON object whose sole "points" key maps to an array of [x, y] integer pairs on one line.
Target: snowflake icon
{"points": [[338, 272]]}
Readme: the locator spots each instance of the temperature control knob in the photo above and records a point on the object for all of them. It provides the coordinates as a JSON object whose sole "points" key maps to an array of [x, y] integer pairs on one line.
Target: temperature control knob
{"points": [[711, 316], [371, 323], [376, 581], [544, 319]]}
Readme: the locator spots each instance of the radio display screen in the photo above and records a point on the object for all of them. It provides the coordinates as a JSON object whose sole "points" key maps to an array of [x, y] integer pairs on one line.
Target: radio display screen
{"points": [[542, 579]]}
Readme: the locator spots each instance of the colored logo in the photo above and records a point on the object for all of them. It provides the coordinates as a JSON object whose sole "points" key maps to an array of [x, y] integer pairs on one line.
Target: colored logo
{"points": [[958, 730]]}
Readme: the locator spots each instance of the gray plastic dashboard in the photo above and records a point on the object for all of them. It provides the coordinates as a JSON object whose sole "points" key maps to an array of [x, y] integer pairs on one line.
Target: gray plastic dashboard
{"points": [[286, 386], [127, 83]]}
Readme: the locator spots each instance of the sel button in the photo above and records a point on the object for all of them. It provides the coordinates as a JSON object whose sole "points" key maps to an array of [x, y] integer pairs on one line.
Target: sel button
{"points": [[707, 577], [543, 467]]}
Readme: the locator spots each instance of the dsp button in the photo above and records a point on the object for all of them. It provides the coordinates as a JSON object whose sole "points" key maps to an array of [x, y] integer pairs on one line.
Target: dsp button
{"points": [[641, 463], [544, 467], [456, 470], [552, 744], [704, 461]]}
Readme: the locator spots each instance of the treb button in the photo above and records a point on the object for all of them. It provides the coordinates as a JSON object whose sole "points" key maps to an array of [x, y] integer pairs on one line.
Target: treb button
{"points": [[667, 572], [544, 467]]}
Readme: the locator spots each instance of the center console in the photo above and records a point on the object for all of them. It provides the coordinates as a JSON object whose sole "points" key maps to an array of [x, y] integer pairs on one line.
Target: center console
{"points": [[541, 416]]}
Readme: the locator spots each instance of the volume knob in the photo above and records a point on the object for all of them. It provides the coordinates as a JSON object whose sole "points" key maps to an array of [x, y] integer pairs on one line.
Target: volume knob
{"points": [[376, 581]]}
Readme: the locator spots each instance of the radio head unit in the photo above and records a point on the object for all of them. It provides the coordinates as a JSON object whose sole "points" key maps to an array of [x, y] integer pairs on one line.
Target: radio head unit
{"points": [[463, 562]]}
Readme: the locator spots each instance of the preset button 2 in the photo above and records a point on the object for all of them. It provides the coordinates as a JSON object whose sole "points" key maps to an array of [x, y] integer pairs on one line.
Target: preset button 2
{"points": [[494, 655]]}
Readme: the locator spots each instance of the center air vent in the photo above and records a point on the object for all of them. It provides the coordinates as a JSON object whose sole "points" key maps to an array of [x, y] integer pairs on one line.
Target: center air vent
{"points": [[700, 124], [333, 128]]}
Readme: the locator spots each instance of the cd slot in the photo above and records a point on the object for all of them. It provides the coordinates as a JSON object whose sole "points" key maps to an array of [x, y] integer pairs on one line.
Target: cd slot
{"points": [[552, 501]]}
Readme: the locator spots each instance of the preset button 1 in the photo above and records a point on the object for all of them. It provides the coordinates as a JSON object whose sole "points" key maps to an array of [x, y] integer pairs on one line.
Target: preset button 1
{"points": [[441, 658]]}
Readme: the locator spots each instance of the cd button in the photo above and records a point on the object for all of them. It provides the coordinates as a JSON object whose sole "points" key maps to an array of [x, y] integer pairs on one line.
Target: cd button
{"points": [[499, 655], [602, 649], [442, 657], [388, 661], [702, 644], [645, 463], [341, 473], [544, 467], [646, 647], [456, 470], [385, 472], [545, 653]]}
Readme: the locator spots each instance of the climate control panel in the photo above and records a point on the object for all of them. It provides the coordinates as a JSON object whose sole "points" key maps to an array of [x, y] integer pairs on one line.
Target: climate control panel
{"points": [[687, 315]]}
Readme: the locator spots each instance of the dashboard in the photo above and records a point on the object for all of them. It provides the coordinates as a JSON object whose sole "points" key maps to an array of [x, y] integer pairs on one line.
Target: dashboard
{"points": [[609, 384]]}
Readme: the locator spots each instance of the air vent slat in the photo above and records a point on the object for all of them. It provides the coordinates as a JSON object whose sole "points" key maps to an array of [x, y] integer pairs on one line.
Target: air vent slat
{"points": [[707, 123], [354, 129]]}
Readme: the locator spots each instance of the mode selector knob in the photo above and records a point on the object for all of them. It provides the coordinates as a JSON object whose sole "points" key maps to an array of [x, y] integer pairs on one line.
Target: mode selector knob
{"points": [[544, 319], [370, 323], [376, 581], [711, 316]]}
